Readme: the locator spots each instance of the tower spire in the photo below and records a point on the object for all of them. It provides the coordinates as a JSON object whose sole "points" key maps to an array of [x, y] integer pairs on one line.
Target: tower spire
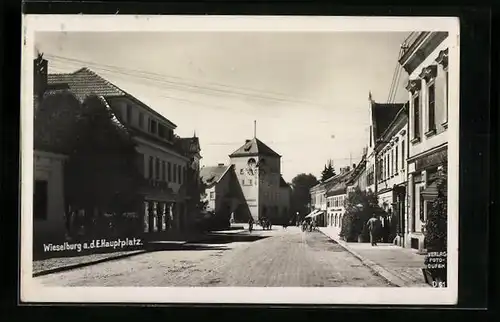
{"points": [[254, 129]]}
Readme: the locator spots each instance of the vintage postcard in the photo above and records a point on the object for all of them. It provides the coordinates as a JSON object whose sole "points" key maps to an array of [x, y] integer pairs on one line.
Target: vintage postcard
{"points": [[239, 159]]}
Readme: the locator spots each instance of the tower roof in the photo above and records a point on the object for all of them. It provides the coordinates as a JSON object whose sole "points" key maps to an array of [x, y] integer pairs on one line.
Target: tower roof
{"points": [[254, 147]]}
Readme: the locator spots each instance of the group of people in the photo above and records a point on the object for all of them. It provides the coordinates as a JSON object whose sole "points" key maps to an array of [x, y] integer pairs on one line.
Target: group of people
{"points": [[265, 223], [308, 225]]}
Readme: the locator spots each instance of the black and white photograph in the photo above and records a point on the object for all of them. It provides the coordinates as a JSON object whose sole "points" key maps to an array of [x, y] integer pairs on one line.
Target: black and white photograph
{"points": [[240, 159]]}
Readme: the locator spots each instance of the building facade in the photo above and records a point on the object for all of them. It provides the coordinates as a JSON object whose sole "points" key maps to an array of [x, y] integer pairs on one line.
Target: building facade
{"points": [[391, 179], [161, 161], [258, 171], [222, 192], [425, 59]]}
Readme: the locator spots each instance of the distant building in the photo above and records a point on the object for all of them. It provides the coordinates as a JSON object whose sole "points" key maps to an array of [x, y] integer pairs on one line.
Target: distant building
{"points": [[425, 59], [258, 171], [336, 196], [161, 158], [222, 194], [358, 176], [391, 151]]}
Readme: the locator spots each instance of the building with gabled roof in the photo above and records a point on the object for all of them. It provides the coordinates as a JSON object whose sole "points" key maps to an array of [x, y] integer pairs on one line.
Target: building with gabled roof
{"points": [[258, 171], [164, 159]]}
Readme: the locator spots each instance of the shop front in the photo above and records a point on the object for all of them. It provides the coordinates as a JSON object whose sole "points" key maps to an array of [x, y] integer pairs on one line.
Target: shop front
{"points": [[423, 173]]}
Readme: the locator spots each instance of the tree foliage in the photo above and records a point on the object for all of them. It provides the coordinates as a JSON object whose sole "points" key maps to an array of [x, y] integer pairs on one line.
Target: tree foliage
{"points": [[101, 171], [328, 172], [360, 206], [437, 218], [300, 195]]}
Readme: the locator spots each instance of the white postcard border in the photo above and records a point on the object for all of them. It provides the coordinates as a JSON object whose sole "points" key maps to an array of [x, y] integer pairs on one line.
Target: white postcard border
{"points": [[31, 291]]}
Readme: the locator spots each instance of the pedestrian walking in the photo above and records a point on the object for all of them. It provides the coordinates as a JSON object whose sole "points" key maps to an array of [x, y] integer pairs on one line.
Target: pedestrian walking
{"points": [[374, 228]]}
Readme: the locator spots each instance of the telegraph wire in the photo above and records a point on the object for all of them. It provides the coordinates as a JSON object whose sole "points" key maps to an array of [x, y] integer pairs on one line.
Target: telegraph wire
{"points": [[161, 77]]}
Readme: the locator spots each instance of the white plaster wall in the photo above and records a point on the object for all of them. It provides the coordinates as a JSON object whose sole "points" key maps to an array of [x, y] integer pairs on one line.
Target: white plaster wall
{"points": [[50, 167], [441, 137]]}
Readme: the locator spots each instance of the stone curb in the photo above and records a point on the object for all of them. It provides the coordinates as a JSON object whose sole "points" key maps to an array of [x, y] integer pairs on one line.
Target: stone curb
{"points": [[79, 265], [387, 275]]}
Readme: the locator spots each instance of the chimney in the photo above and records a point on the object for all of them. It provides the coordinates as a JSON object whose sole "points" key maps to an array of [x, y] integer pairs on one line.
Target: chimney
{"points": [[246, 141], [40, 76], [354, 166]]}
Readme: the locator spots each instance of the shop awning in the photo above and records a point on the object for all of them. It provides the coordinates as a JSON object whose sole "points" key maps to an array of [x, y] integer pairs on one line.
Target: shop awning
{"points": [[431, 192], [311, 214], [318, 213], [315, 214]]}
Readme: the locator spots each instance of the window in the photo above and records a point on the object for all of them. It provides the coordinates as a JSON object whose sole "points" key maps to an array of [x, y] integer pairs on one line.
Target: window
{"points": [[396, 160], [129, 113], [157, 169], [153, 127], [243, 182], [175, 173], [184, 173], [392, 162], [242, 171], [371, 136], [179, 174], [431, 105], [150, 168], [170, 135], [250, 182], [162, 131], [169, 171], [416, 117], [163, 171], [40, 200], [141, 120], [212, 195], [403, 160]]}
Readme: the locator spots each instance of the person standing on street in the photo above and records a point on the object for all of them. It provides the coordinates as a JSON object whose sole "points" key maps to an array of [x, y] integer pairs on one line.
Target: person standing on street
{"points": [[373, 227]]}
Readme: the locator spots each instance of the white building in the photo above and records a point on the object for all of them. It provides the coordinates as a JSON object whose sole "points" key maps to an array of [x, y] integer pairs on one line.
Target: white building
{"points": [[258, 171], [425, 59], [391, 154], [161, 158]]}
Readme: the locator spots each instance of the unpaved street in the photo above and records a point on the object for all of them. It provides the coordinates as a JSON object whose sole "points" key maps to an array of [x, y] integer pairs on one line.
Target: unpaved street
{"points": [[263, 258]]}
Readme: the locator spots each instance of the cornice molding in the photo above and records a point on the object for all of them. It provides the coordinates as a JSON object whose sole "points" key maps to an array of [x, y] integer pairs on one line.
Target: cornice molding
{"points": [[414, 85], [442, 58], [428, 72]]}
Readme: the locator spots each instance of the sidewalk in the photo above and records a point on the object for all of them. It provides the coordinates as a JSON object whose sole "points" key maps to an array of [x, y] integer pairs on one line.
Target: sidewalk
{"points": [[400, 266], [173, 241]]}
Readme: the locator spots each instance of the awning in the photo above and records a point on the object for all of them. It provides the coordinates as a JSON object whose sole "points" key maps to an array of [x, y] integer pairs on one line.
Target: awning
{"points": [[315, 214], [318, 213], [311, 214], [431, 192]]}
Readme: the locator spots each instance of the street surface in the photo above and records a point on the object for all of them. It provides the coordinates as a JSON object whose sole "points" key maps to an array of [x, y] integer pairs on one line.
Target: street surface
{"points": [[280, 257]]}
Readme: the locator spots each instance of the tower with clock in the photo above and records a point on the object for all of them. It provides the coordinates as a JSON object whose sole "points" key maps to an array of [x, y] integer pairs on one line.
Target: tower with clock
{"points": [[258, 170]]}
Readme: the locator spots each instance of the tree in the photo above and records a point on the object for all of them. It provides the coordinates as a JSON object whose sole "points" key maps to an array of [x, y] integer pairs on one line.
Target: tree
{"points": [[436, 229], [360, 206], [328, 171], [101, 171], [301, 196]]}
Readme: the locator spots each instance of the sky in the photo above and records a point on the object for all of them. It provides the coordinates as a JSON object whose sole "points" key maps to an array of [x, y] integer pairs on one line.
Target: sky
{"points": [[307, 91]]}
